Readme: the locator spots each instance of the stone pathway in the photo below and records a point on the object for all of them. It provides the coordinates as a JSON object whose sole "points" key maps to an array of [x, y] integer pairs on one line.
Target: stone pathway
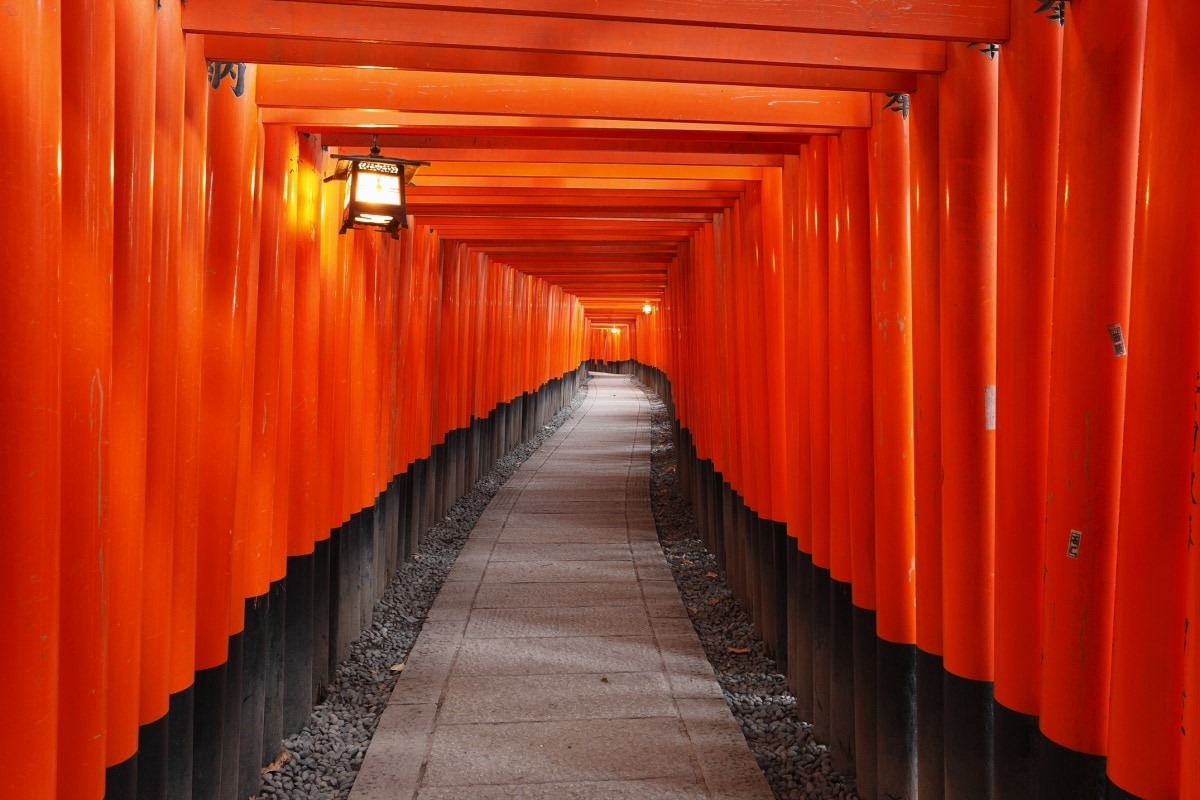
{"points": [[558, 662]]}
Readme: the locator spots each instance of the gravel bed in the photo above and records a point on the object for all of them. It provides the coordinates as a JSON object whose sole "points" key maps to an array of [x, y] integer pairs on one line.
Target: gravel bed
{"points": [[323, 759], [796, 765]]}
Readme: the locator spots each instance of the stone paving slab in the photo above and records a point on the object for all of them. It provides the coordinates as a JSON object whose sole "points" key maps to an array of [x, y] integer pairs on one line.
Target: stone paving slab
{"points": [[538, 752], [534, 595], [557, 571], [558, 662], [585, 654], [562, 551]]}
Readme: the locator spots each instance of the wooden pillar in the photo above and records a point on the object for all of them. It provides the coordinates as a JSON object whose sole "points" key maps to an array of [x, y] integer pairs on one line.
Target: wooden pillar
{"points": [[88, 35], [860, 448], [1152, 621], [31, 127], [927, 433], [818, 410], [1030, 69], [1097, 175], [968, 354], [232, 134], [892, 424], [133, 166]]}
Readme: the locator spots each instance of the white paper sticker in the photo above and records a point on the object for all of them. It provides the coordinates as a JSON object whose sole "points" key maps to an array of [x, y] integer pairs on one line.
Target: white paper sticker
{"points": [[989, 407], [1073, 544], [1118, 339]]}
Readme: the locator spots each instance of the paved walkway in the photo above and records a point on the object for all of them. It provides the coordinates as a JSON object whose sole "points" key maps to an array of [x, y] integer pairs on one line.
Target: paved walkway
{"points": [[558, 662]]}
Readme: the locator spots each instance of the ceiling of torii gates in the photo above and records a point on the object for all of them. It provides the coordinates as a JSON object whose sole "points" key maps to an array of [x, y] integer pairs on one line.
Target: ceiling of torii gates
{"points": [[583, 140]]}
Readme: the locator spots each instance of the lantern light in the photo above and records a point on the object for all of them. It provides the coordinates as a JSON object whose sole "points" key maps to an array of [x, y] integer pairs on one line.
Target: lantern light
{"points": [[374, 196]]}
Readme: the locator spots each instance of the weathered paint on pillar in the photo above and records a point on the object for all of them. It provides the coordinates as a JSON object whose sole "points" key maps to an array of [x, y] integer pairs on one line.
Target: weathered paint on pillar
{"points": [[1151, 625], [1097, 174]]}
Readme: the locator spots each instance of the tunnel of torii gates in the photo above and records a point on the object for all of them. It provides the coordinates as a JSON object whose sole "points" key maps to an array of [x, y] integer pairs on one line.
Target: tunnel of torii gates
{"points": [[923, 283]]}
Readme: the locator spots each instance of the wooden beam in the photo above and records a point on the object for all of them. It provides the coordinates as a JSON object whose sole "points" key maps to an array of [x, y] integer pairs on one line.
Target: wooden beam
{"points": [[347, 87], [382, 123], [964, 20], [478, 29], [313, 52], [501, 169]]}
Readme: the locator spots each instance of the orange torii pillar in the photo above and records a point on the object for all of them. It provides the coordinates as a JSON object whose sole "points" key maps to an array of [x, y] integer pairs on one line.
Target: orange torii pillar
{"points": [[818, 387], [89, 64], [799, 497], [1030, 67], [1097, 171], [1151, 627], [232, 145], [927, 432], [303, 523], [895, 623], [161, 458], [190, 344], [860, 451], [261, 607], [841, 564], [31, 125], [968, 136], [775, 265], [132, 167]]}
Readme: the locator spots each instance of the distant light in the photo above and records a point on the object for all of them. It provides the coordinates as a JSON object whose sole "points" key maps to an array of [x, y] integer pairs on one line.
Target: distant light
{"points": [[647, 309], [614, 330]]}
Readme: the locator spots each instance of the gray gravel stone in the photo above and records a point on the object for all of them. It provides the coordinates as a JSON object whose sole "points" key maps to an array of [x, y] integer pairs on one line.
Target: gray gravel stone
{"points": [[796, 765]]}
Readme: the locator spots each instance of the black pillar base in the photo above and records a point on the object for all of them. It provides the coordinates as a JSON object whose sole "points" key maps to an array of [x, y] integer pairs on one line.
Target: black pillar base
{"points": [[298, 644], [841, 708], [208, 732], [931, 727], [120, 780], [152, 760], [180, 741], [970, 767], [866, 772], [272, 729], [1067, 774], [251, 703], [800, 631], [1016, 753], [896, 705], [822, 648], [321, 619], [232, 731]]}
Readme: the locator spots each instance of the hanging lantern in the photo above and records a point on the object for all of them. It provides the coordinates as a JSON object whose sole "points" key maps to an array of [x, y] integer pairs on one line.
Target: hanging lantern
{"points": [[374, 195]]}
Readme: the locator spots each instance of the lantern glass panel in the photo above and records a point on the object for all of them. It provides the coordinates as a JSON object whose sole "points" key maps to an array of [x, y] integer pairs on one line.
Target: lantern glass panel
{"points": [[377, 182]]}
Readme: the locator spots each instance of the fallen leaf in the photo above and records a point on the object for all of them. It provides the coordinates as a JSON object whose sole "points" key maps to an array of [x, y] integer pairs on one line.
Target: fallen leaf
{"points": [[693, 609], [398, 667], [279, 761], [738, 651], [710, 574], [714, 601]]}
